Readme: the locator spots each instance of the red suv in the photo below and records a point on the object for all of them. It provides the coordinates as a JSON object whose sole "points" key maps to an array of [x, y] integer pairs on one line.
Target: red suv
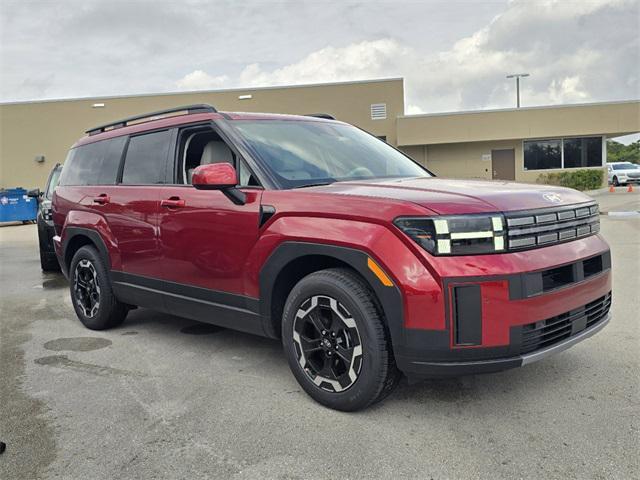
{"points": [[311, 230]]}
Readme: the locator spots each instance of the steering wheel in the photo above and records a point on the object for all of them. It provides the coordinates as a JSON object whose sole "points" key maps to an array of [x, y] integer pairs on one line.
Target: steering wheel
{"points": [[360, 172]]}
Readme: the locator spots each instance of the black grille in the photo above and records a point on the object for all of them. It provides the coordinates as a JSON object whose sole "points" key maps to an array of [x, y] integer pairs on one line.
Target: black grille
{"points": [[545, 333], [539, 228]]}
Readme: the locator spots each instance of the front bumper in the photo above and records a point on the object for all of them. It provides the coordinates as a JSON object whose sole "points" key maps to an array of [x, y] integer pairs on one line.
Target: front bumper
{"points": [[425, 369], [488, 311]]}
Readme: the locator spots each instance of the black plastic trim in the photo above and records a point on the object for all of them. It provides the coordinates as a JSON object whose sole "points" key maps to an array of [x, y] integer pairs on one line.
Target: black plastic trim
{"points": [[190, 109], [226, 309], [326, 116], [467, 314], [72, 232], [390, 298], [266, 212], [530, 284]]}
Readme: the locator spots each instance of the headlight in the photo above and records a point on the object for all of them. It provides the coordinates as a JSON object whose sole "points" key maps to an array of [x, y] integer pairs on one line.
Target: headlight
{"points": [[456, 235]]}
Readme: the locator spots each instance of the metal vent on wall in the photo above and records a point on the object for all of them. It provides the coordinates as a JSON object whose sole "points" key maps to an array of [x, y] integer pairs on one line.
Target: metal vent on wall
{"points": [[378, 111]]}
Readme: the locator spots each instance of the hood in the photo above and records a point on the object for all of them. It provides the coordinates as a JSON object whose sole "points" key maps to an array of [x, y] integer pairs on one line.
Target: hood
{"points": [[447, 197]]}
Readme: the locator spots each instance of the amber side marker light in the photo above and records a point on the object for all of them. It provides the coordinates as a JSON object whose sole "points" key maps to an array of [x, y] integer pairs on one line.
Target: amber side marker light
{"points": [[378, 272]]}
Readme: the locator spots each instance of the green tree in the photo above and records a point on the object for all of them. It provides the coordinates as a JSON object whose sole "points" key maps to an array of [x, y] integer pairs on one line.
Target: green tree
{"points": [[617, 152]]}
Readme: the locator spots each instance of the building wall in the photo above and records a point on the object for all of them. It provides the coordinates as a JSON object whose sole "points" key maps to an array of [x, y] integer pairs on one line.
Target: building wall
{"points": [[612, 119], [49, 128], [473, 159]]}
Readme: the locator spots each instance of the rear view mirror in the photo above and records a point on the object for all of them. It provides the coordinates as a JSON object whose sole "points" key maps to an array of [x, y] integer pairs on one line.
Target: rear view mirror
{"points": [[35, 193], [219, 176]]}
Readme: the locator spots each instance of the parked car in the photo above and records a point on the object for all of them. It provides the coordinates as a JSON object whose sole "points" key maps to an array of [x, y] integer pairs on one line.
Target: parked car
{"points": [[48, 259], [315, 232], [622, 173]]}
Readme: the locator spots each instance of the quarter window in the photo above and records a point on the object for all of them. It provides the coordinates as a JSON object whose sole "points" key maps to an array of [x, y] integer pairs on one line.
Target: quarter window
{"points": [[146, 159], [94, 163]]}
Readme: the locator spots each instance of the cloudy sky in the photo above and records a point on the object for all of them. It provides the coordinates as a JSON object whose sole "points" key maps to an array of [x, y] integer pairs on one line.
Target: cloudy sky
{"points": [[453, 54]]}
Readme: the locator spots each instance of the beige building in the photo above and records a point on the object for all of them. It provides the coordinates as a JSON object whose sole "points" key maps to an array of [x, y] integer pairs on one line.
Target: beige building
{"points": [[516, 144]]}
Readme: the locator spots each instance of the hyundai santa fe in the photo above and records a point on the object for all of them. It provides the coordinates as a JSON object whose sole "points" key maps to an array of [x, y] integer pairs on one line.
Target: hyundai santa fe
{"points": [[310, 230]]}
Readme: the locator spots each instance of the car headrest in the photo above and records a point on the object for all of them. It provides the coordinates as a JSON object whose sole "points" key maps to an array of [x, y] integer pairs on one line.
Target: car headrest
{"points": [[216, 152]]}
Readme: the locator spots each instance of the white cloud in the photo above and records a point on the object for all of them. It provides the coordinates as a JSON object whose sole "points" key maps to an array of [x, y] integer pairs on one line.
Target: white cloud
{"points": [[575, 52], [453, 55], [330, 64], [199, 80]]}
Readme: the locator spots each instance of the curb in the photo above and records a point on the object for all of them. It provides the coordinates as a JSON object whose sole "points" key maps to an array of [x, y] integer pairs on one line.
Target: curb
{"points": [[623, 214]]}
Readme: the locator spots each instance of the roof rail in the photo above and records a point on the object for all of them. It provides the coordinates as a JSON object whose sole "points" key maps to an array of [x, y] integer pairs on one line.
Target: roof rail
{"points": [[198, 108], [321, 115]]}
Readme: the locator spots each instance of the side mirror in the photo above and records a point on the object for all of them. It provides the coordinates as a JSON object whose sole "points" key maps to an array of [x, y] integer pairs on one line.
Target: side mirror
{"points": [[35, 193], [219, 176]]}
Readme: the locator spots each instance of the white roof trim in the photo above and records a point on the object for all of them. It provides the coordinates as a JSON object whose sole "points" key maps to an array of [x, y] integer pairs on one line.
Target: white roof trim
{"points": [[540, 107], [192, 92]]}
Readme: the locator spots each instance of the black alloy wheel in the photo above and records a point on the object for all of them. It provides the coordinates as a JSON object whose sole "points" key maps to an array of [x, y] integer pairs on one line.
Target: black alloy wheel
{"points": [[336, 340], [91, 293], [86, 288], [327, 342]]}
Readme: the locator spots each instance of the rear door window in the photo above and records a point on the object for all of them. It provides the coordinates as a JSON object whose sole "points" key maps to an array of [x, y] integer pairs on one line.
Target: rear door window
{"points": [[146, 159]]}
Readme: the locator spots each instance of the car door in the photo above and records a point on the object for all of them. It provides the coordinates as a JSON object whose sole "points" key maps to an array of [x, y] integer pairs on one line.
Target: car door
{"points": [[131, 206], [205, 238]]}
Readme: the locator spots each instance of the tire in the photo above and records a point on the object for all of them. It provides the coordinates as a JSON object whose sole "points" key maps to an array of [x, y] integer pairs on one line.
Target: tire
{"points": [[48, 263], [88, 277], [343, 303], [616, 183]]}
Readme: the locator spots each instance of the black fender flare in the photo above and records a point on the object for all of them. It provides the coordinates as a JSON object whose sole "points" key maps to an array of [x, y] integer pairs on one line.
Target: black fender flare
{"points": [[72, 232], [390, 298]]}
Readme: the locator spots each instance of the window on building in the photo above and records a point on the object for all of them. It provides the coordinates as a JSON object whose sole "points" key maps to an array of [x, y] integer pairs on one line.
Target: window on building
{"points": [[582, 152], [542, 154], [563, 153], [146, 160]]}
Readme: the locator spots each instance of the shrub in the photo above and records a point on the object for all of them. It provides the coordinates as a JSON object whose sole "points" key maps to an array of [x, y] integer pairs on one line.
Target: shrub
{"points": [[579, 179]]}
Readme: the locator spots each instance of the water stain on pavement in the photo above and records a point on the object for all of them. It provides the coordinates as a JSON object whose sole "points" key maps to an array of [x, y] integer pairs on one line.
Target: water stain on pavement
{"points": [[133, 332], [200, 329], [55, 283], [62, 361], [77, 344]]}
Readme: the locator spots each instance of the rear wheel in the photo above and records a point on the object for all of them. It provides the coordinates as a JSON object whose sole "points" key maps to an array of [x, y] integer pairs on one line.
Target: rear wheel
{"points": [[91, 293], [336, 341]]}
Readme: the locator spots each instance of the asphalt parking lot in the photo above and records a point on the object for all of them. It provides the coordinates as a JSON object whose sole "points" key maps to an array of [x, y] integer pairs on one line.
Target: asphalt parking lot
{"points": [[162, 397]]}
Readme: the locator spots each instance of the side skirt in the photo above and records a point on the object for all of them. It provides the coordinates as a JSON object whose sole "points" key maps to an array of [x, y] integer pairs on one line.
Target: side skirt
{"points": [[210, 306]]}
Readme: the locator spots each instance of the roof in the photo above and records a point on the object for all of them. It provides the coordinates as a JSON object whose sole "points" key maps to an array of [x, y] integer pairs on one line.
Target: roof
{"points": [[185, 119], [605, 118], [203, 92]]}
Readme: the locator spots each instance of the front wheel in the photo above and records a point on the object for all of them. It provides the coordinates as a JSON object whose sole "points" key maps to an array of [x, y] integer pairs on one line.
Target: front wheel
{"points": [[616, 183], [336, 341]]}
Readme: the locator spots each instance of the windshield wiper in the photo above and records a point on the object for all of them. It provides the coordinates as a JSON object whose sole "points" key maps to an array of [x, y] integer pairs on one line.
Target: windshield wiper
{"points": [[319, 184]]}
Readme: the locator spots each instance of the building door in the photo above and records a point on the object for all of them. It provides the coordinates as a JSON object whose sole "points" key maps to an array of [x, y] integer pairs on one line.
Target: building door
{"points": [[503, 163]]}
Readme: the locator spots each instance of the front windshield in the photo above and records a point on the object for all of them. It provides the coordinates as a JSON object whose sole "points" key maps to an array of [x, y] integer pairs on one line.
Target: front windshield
{"points": [[625, 166], [301, 153]]}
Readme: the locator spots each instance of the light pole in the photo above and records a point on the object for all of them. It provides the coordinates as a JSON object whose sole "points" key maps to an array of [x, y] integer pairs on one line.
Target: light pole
{"points": [[517, 77]]}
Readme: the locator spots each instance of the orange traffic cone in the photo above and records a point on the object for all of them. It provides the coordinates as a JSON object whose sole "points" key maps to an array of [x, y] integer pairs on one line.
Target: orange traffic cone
{"points": [[630, 188], [612, 188]]}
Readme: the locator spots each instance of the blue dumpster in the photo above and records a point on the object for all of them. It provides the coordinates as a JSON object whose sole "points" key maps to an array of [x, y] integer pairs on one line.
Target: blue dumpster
{"points": [[16, 206]]}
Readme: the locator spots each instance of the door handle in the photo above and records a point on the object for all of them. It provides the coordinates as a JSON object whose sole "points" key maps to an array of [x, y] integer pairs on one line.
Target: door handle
{"points": [[173, 202], [102, 199]]}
